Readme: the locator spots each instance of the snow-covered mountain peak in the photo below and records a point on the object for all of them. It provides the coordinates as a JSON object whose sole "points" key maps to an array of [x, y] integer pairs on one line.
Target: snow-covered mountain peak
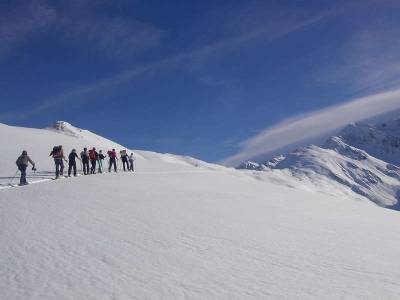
{"points": [[361, 160], [66, 128], [381, 140], [337, 144]]}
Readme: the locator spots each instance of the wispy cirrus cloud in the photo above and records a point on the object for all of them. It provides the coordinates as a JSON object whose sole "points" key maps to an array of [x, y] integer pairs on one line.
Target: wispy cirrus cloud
{"points": [[367, 57], [17, 24], [314, 124], [85, 23], [185, 60]]}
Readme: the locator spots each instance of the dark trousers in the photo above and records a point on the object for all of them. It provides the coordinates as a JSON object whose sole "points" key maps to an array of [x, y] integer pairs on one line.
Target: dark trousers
{"points": [[85, 164], [125, 161], [112, 162], [22, 169], [93, 167], [70, 167], [59, 166]]}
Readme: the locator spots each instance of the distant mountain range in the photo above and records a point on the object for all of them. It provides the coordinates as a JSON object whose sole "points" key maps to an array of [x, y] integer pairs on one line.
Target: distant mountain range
{"points": [[362, 159]]}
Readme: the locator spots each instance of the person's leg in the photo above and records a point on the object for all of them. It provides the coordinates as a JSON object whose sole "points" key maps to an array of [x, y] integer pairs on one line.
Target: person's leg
{"points": [[22, 169], [74, 166], [21, 179], [93, 168], [61, 167], [69, 169], [109, 165], [24, 173], [115, 165], [100, 163], [56, 161], [86, 167], [127, 165]]}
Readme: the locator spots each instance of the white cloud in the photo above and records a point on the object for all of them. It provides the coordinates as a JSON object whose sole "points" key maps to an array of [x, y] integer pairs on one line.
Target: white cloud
{"points": [[315, 124]]}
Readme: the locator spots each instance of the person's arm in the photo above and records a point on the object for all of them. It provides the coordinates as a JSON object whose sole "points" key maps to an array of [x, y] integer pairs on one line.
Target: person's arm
{"points": [[31, 161], [76, 155]]}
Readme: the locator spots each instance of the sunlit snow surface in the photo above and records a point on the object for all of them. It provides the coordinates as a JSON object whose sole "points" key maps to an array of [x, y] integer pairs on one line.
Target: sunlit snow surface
{"points": [[183, 229]]}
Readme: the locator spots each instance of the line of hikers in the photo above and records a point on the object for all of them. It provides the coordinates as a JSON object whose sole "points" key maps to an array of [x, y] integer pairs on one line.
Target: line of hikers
{"points": [[92, 157]]}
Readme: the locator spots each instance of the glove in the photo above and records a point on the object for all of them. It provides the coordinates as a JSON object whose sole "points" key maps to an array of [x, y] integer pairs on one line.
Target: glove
{"points": [[33, 168]]}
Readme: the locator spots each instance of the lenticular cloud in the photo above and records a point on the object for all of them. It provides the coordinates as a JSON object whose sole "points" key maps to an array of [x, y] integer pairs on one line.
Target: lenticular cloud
{"points": [[315, 124]]}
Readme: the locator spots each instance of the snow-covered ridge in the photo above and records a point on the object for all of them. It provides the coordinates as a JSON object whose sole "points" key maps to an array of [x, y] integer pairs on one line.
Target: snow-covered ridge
{"points": [[360, 161], [380, 140], [66, 128], [39, 142]]}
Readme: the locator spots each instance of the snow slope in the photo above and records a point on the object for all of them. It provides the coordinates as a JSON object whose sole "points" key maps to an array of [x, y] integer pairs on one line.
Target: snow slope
{"points": [[344, 164], [40, 142], [175, 230]]}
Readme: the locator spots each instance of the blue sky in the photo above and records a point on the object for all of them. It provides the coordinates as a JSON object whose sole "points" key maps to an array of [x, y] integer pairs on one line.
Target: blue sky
{"points": [[198, 78]]}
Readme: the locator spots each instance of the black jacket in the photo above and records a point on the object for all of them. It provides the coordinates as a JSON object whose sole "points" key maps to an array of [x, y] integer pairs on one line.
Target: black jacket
{"points": [[71, 157]]}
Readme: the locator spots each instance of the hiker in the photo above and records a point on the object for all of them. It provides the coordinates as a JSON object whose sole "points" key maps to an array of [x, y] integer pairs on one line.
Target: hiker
{"points": [[93, 155], [72, 162], [58, 156], [100, 159], [22, 163], [113, 160], [124, 159], [85, 161], [131, 160]]}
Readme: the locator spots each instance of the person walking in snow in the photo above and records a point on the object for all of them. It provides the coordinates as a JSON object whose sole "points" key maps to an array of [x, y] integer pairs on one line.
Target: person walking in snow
{"points": [[72, 162], [100, 159], [85, 161], [131, 161], [59, 158], [93, 156], [124, 159], [112, 155], [22, 163]]}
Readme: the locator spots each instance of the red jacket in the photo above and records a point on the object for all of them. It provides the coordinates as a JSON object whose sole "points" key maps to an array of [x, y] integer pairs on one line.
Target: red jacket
{"points": [[112, 154]]}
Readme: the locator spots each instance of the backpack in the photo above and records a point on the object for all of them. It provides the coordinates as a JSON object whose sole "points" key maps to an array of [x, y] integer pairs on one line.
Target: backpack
{"points": [[112, 154], [56, 152]]}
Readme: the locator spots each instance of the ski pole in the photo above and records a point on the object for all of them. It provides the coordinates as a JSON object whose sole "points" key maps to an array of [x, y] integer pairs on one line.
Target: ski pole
{"points": [[12, 179]]}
